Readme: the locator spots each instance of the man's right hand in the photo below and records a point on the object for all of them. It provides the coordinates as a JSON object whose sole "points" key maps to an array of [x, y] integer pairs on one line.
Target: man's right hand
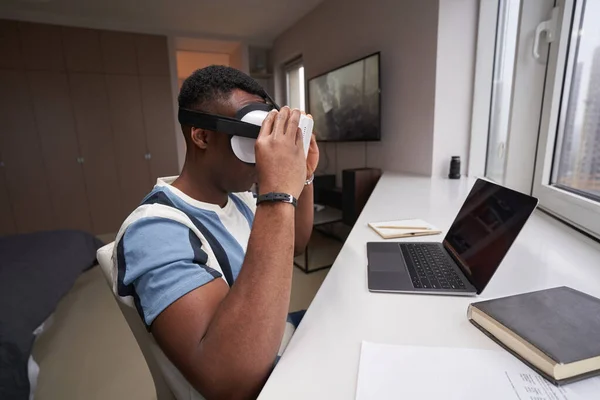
{"points": [[280, 161]]}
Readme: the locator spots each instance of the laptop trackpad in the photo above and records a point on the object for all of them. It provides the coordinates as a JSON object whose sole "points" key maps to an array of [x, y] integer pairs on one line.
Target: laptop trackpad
{"points": [[386, 258]]}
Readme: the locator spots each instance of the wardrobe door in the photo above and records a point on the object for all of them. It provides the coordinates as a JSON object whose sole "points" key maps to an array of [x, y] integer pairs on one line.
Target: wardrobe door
{"points": [[7, 221], [42, 47], [127, 121], [10, 46], [11, 58], [152, 55], [22, 155], [158, 118], [90, 105], [118, 52], [54, 115], [82, 50]]}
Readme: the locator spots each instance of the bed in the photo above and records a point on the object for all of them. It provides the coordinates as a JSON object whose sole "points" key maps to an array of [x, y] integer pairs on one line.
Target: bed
{"points": [[36, 271]]}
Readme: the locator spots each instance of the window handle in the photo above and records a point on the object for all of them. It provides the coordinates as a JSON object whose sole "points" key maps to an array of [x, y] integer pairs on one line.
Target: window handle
{"points": [[549, 27]]}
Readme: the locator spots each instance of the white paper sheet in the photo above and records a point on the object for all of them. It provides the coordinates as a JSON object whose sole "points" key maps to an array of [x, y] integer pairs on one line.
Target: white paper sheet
{"points": [[413, 372]]}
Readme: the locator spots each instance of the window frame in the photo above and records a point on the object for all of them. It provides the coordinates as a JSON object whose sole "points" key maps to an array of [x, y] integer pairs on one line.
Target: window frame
{"points": [[526, 98], [482, 86], [500, 67], [295, 63], [577, 210]]}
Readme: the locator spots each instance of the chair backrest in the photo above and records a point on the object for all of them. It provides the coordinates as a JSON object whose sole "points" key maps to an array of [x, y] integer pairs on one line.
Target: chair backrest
{"points": [[148, 346]]}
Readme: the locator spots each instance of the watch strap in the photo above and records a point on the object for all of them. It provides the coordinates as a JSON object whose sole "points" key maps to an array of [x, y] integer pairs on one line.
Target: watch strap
{"points": [[276, 197]]}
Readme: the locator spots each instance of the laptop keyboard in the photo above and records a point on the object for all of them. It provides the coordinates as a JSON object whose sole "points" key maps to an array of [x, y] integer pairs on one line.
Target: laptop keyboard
{"points": [[429, 267]]}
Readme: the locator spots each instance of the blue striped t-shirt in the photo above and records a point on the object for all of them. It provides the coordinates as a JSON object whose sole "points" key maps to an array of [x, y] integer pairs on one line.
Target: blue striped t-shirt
{"points": [[172, 244]]}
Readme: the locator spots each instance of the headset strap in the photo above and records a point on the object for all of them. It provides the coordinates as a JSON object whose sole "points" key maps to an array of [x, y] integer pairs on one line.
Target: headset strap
{"points": [[217, 123]]}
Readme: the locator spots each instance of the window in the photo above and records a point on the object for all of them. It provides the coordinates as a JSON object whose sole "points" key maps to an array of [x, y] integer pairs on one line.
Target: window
{"points": [[502, 81], [577, 156], [567, 179], [295, 84], [536, 109]]}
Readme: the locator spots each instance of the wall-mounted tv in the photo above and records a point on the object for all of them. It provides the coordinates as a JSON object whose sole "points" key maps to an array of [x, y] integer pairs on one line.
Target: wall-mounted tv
{"points": [[345, 102]]}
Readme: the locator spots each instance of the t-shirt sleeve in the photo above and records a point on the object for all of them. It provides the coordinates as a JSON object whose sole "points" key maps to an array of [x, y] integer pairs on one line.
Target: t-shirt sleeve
{"points": [[159, 261]]}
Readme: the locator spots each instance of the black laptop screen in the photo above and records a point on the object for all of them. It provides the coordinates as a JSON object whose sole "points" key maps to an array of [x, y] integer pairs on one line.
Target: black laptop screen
{"points": [[486, 226]]}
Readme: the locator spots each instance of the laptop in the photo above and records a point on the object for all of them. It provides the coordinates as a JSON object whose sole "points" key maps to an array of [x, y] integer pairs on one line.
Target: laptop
{"points": [[463, 264]]}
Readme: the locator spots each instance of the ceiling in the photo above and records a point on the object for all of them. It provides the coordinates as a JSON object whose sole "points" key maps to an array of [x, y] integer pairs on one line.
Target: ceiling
{"points": [[258, 21]]}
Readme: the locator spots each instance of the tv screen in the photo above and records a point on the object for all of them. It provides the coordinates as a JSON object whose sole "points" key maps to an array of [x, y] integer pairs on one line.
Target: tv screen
{"points": [[344, 103]]}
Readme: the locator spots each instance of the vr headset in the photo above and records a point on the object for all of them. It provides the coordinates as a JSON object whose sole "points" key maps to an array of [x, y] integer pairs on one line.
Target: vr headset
{"points": [[243, 127]]}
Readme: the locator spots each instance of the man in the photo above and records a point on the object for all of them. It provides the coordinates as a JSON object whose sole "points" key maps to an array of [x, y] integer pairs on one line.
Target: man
{"points": [[179, 254]]}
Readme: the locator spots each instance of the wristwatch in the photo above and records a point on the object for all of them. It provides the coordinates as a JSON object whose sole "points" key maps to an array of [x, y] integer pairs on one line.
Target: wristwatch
{"points": [[276, 197]]}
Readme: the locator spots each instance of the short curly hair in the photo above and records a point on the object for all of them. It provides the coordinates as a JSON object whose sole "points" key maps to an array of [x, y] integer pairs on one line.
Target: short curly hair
{"points": [[215, 83]]}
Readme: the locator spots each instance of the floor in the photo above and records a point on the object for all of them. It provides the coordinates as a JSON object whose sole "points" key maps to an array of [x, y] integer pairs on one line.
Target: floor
{"points": [[88, 352]]}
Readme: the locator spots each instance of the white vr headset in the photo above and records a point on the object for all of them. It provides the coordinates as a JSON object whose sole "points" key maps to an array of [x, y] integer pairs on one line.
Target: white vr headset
{"points": [[243, 128]]}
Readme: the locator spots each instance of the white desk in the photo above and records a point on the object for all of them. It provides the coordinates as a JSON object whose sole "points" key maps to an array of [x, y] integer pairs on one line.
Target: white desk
{"points": [[321, 361]]}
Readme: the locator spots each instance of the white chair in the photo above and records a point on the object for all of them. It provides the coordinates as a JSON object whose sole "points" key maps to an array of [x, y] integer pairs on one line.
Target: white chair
{"points": [[159, 365]]}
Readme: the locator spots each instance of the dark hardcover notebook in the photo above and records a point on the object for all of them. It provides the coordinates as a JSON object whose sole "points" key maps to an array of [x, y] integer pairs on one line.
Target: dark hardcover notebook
{"points": [[563, 323]]}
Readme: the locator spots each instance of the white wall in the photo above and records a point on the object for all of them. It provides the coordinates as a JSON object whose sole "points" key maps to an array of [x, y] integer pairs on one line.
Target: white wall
{"points": [[189, 61], [405, 31], [455, 67], [238, 58]]}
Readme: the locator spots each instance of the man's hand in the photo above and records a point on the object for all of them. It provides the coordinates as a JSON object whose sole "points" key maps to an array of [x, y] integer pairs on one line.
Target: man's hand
{"points": [[279, 151]]}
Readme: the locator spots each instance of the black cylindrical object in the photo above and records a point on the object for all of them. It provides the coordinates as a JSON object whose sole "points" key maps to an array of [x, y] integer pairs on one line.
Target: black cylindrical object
{"points": [[454, 168]]}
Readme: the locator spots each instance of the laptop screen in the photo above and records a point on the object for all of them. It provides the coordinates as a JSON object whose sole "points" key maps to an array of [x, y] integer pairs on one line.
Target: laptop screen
{"points": [[486, 226]]}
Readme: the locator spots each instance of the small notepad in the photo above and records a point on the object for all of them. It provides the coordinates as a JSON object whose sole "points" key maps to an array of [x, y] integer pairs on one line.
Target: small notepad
{"points": [[404, 228]]}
